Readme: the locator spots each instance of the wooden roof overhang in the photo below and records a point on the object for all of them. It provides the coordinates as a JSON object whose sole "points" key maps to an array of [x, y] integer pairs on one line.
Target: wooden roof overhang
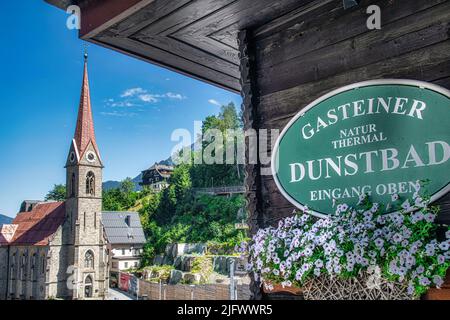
{"points": [[197, 38]]}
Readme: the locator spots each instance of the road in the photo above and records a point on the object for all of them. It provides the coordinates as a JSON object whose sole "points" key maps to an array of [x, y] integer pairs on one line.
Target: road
{"points": [[116, 294]]}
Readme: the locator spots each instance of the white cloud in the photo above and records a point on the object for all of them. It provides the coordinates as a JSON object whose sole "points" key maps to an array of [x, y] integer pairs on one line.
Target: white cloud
{"points": [[176, 96], [122, 104], [132, 92], [150, 98], [118, 114], [134, 97], [215, 102]]}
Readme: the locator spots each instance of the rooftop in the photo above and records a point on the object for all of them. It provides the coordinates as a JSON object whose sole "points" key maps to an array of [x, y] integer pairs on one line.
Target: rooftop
{"points": [[35, 227], [123, 228]]}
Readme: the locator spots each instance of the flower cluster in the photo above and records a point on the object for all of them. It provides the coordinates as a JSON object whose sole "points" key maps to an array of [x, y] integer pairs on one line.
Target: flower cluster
{"points": [[402, 245]]}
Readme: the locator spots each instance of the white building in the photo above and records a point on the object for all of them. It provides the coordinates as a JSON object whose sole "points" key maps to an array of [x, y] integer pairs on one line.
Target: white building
{"points": [[126, 240]]}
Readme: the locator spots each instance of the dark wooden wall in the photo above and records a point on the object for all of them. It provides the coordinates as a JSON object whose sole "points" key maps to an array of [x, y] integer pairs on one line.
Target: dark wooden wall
{"points": [[313, 50]]}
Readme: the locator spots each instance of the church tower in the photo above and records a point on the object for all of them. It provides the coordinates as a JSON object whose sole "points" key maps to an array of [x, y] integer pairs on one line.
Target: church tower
{"points": [[83, 230]]}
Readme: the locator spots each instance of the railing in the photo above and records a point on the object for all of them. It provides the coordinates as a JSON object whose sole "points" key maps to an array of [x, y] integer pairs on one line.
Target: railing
{"points": [[220, 190]]}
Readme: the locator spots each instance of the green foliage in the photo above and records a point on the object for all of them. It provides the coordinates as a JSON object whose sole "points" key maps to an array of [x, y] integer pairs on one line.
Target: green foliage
{"points": [[203, 265], [218, 175], [157, 273], [121, 198], [176, 215], [58, 193], [203, 219]]}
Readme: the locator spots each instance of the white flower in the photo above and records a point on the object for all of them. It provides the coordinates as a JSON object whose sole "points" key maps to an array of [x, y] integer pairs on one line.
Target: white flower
{"points": [[394, 197]]}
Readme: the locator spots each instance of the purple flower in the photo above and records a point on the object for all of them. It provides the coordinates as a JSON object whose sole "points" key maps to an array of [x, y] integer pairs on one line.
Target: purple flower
{"points": [[424, 281], [318, 263], [441, 259], [444, 246], [411, 289], [406, 205], [438, 281], [397, 238], [317, 272], [429, 217], [361, 198], [420, 270], [394, 197], [429, 250], [375, 207], [379, 242]]}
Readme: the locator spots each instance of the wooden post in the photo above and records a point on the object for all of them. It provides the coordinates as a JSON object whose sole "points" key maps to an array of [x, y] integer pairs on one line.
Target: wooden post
{"points": [[252, 171]]}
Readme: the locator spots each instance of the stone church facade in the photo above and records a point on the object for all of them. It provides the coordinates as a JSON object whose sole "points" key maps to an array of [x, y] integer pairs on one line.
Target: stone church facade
{"points": [[59, 249]]}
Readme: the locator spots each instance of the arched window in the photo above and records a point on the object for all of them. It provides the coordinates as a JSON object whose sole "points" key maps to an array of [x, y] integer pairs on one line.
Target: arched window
{"points": [[72, 185], [88, 287], [90, 184], [89, 260]]}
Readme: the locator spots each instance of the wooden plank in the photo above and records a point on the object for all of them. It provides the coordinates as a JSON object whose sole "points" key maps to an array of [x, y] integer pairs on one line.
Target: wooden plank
{"points": [[310, 30], [412, 33], [171, 62], [427, 64], [157, 10], [239, 13], [190, 53], [97, 16]]}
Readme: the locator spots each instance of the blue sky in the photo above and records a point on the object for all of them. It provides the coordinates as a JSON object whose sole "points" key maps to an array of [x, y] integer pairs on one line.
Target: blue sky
{"points": [[40, 87]]}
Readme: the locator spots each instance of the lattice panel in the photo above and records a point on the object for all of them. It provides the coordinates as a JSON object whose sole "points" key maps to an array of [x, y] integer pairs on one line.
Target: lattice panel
{"points": [[360, 288]]}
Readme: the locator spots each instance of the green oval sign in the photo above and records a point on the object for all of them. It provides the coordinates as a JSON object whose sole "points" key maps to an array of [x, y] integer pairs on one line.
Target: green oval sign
{"points": [[377, 137]]}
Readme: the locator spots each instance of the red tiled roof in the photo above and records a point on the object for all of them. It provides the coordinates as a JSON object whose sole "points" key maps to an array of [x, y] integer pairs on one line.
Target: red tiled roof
{"points": [[37, 226], [84, 132]]}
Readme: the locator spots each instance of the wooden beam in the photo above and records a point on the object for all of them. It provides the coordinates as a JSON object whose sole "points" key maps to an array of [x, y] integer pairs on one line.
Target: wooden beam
{"points": [[98, 15]]}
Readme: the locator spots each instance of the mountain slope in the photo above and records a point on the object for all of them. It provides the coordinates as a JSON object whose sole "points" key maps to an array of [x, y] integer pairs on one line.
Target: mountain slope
{"points": [[108, 185], [5, 219]]}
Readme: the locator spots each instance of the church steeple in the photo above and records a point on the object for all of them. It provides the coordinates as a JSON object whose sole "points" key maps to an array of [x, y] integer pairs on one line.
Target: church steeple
{"points": [[84, 132]]}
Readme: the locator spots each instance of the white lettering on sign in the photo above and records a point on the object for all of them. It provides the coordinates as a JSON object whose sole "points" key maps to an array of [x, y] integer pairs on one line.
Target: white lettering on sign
{"points": [[391, 105], [388, 159]]}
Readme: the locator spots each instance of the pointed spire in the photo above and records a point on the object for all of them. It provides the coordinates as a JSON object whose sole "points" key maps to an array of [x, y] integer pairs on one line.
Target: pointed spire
{"points": [[84, 132]]}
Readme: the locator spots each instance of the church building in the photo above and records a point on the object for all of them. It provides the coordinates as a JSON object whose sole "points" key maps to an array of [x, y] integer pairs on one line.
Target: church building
{"points": [[59, 249]]}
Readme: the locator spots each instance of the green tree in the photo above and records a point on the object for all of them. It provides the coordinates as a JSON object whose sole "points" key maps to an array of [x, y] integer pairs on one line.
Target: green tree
{"points": [[58, 193], [121, 198], [216, 175]]}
